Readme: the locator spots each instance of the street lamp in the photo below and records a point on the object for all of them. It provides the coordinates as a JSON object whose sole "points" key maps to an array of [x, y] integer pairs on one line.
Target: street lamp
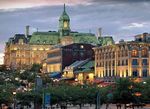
{"points": [[14, 93]]}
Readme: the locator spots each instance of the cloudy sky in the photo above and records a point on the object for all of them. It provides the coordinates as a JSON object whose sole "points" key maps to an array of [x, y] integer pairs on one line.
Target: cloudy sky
{"points": [[120, 18]]}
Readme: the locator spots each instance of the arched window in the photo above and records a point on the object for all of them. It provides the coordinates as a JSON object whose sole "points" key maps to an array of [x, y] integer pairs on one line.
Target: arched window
{"points": [[144, 53], [134, 53]]}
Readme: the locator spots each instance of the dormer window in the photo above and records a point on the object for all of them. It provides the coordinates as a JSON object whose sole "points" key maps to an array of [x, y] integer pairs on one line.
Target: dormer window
{"points": [[44, 41], [20, 41], [144, 53], [38, 41], [134, 53]]}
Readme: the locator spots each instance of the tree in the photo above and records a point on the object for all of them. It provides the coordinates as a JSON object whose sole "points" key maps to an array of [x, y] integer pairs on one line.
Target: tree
{"points": [[36, 68], [122, 92]]}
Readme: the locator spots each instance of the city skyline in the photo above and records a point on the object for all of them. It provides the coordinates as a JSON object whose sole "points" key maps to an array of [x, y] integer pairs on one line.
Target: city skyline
{"points": [[117, 18]]}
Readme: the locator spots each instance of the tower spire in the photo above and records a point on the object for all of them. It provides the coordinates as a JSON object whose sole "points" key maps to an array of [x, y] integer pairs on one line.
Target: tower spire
{"points": [[64, 7]]}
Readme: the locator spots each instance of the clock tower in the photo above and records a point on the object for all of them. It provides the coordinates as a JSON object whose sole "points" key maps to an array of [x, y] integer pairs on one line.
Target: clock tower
{"points": [[64, 23]]}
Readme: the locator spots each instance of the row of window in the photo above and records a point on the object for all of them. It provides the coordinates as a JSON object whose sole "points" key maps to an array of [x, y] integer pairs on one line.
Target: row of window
{"points": [[121, 63], [136, 62], [112, 63], [40, 49], [135, 73], [135, 53]]}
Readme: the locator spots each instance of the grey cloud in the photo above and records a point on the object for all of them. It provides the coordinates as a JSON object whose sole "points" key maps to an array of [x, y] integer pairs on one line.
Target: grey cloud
{"points": [[118, 1], [109, 16]]}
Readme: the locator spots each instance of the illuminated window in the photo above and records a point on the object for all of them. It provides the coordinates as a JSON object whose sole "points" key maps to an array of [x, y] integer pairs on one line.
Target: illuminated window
{"points": [[144, 53], [65, 24], [81, 46], [134, 53], [21, 41]]}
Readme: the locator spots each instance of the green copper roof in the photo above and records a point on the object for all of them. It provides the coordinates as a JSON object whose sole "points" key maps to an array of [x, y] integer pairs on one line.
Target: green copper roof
{"points": [[44, 38], [88, 64], [64, 15], [108, 40], [52, 38], [86, 68], [85, 39]]}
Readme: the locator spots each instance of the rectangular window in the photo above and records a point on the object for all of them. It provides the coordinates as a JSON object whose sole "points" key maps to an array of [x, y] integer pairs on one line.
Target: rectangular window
{"points": [[126, 73], [135, 73], [134, 62], [144, 62], [144, 73], [126, 62]]}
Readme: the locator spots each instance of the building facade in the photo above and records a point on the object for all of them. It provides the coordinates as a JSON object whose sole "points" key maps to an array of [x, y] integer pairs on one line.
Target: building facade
{"points": [[125, 59], [81, 71], [23, 50], [61, 56]]}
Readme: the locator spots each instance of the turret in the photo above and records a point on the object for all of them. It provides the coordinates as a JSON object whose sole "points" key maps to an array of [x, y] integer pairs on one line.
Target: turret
{"points": [[64, 23], [99, 32], [27, 31]]}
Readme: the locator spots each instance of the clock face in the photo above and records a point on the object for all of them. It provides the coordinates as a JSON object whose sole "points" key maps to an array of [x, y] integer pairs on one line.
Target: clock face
{"points": [[65, 24]]}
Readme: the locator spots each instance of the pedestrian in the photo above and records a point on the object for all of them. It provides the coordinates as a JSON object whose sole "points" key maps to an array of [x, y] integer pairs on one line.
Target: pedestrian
{"points": [[107, 105], [118, 106]]}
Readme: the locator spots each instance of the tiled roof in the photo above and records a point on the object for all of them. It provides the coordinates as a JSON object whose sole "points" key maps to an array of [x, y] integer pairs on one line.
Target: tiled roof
{"points": [[87, 67]]}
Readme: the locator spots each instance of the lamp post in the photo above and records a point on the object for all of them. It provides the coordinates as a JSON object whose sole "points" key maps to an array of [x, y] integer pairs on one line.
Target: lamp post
{"points": [[14, 93]]}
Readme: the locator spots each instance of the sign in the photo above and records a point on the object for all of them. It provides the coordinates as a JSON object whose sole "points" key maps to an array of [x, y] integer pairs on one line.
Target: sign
{"points": [[98, 101], [47, 99], [38, 83]]}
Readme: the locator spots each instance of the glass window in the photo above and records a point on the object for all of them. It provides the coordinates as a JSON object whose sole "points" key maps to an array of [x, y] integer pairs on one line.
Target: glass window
{"points": [[122, 62], [144, 53], [109, 72], [135, 73], [113, 73], [126, 73], [126, 62], [144, 73], [134, 62], [144, 62], [113, 63], [134, 53], [118, 63], [106, 73]]}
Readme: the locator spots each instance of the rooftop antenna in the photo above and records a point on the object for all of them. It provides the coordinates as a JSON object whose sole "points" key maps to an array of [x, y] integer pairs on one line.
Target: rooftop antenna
{"points": [[27, 30], [89, 30], [99, 32], [37, 29], [64, 7]]}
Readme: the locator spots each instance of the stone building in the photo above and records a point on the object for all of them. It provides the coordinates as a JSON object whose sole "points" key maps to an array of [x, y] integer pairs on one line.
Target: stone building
{"points": [[61, 56], [23, 50], [80, 71], [125, 59]]}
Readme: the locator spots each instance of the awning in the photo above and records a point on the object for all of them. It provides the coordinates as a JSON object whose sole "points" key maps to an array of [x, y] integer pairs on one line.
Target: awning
{"points": [[55, 75]]}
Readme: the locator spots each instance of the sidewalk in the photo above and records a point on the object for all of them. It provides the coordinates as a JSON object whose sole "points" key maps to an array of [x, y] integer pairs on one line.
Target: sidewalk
{"points": [[111, 106]]}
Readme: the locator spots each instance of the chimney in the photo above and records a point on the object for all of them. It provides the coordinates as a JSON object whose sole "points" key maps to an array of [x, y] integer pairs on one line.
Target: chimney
{"points": [[27, 30], [99, 32]]}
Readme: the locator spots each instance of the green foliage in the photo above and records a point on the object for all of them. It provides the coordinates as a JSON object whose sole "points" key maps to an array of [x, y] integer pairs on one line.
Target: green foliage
{"points": [[76, 95], [27, 97], [145, 90], [122, 92], [36, 68], [6, 93]]}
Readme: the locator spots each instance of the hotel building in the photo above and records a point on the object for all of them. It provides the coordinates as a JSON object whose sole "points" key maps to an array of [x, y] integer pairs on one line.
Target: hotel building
{"points": [[125, 59]]}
